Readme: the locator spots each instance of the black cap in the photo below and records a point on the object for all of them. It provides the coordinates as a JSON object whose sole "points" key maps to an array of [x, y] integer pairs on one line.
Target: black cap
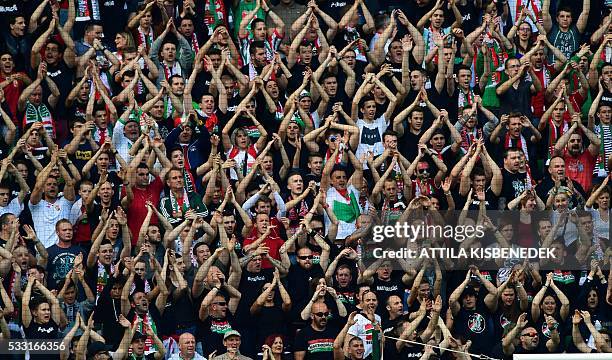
{"points": [[96, 347], [138, 335]]}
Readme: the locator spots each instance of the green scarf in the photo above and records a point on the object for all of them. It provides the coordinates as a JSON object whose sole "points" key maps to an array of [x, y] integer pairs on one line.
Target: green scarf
{"points": [[347, 212]]}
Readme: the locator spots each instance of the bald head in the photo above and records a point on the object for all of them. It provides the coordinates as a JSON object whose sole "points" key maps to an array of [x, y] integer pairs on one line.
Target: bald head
{"points": [[187, 344]]}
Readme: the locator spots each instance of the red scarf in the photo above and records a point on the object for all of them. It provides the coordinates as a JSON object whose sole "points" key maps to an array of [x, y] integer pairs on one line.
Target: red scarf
{"points": [[194, 43], [468, 138]]}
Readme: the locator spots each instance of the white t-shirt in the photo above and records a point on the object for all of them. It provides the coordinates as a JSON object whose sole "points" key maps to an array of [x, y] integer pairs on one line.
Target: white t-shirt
{"points": [[370, 136], [45, 215], [363, 329], [14, 207]]}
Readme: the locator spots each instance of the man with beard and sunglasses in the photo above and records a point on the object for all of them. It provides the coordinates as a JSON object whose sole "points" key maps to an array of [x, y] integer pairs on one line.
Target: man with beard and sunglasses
{"points": [[316, 341], [523, 339]]}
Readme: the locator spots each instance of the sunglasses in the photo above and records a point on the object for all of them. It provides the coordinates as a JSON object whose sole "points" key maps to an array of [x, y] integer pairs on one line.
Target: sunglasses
{"points": [[322, 314], [423, 171], [530, 334], [307, 257], [221, 303]]}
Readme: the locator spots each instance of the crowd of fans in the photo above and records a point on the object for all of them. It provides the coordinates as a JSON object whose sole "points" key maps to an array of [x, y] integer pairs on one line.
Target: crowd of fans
{"points": [[200, 179]]}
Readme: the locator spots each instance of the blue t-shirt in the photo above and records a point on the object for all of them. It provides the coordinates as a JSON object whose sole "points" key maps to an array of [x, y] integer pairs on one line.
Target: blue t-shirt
{"points": [[61, 261]]}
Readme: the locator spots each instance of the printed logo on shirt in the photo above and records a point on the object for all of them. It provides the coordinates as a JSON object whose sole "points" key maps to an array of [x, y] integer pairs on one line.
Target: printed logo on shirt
{"points": [[220, 327], [320, 345], [476, 323], [370, 136], [503, 321], [347, 297], [48, 330], [387, 288], [8, 8], [338, 4]]}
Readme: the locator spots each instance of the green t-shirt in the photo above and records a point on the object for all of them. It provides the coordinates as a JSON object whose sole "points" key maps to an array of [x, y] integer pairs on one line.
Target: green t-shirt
{"points": [[240, 12]]}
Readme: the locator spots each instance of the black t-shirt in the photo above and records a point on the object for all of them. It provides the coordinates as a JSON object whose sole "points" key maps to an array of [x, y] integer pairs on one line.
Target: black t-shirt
{"points": [[513, 186], [471, 16], [211, 331], [408, 144], [82, 155], [78, 110], [298, 284], [179, 313], [250, 287], [298, 71], [517, 99], [62, 76], [270, 320], [319, 345], [48, 331], [335, 8], [476, 325], [384, 289]]}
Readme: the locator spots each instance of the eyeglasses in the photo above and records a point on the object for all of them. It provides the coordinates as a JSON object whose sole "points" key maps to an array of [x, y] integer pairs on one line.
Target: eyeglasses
{"points": [[221, 303], [525, 29], [321, 314], [307, 257], [530, 334]]}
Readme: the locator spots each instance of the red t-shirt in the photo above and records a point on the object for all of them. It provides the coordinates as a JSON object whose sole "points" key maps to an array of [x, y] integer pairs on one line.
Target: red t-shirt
{"points": [[137, 210], [580, 168], [11, 94], [275, 231], [273, 243]]}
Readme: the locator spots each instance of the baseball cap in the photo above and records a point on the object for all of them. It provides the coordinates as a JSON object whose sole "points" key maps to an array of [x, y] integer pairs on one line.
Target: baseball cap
{"points": [[138, 336], [303, 94], [96, 347], [231, 333]]}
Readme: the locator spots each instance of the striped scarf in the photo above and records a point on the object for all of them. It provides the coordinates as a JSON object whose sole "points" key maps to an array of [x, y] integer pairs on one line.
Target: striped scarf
{"points": [[146, 319], [468, 137], [145, 39], [179, 209], [555, 133], [521, 143]]}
